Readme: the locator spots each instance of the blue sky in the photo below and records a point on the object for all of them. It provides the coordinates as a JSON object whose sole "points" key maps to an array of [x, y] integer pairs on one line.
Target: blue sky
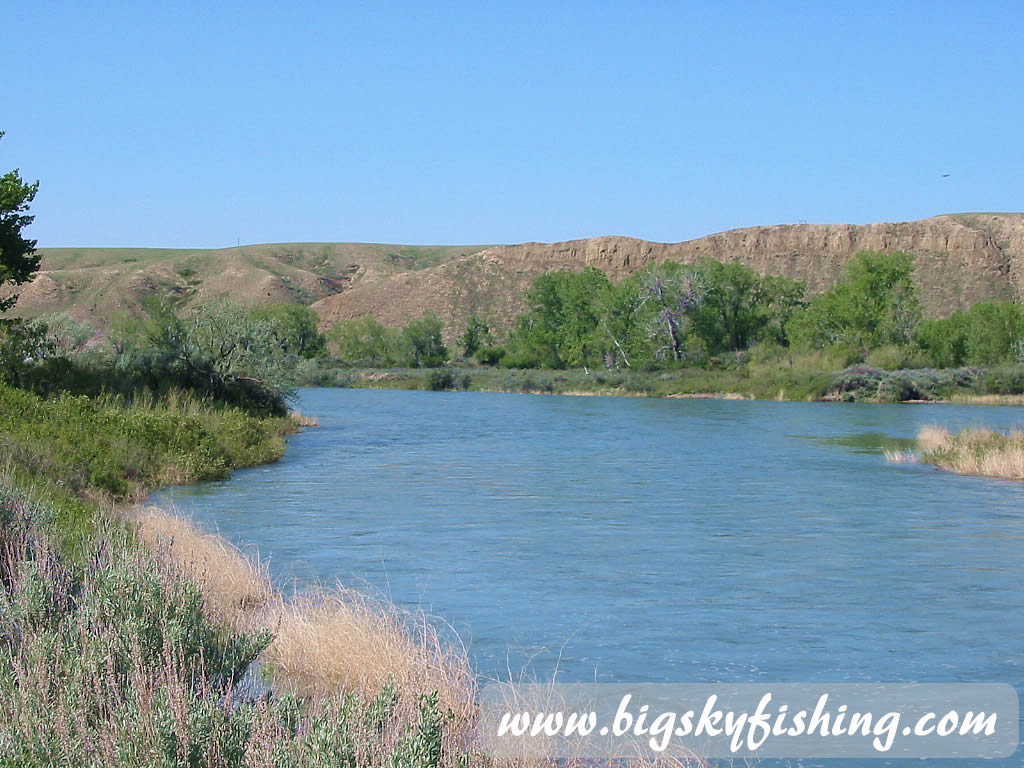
{"points": [[199, 124]]}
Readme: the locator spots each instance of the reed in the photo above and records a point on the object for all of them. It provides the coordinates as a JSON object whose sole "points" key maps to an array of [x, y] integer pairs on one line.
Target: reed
{"points": [[975, 451]]}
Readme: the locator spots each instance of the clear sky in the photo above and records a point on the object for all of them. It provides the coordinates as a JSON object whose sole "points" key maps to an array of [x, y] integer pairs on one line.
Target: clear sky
{"points": [[196, 124]]}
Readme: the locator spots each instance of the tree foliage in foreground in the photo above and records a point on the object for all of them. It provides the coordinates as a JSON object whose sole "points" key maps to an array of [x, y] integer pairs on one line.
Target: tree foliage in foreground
{"points": [[18, 257]]}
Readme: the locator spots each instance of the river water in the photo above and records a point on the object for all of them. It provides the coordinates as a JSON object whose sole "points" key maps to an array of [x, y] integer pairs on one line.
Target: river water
{"points": [[649, 540]]}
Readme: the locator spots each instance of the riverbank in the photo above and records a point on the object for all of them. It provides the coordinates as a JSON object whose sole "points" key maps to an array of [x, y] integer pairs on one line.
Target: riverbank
{"points": [[1000, 386], [128, 633]]}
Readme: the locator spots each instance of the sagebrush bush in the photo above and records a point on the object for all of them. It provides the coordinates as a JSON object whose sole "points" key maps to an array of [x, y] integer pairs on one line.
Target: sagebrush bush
{"points": [[866, 383]]}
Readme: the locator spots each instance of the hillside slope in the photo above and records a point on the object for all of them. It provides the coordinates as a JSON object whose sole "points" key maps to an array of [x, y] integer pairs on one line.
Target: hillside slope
{"points": [[961, 259], [94, 283]]}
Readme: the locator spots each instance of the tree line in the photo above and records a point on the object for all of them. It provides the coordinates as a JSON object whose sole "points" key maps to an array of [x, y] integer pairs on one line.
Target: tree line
{"points": [[672, 314]]}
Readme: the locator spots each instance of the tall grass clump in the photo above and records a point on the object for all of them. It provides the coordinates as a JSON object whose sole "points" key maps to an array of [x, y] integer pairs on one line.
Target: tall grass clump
{"points": [[325, 641], [975, 451]]}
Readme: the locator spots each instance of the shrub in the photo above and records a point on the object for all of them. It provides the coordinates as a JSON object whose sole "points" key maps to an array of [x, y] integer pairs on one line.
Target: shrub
{"points": [[489, 355], [1001, 381], [857, 383], [103, 444], [114, 662], [892, 357], [440, 379]]}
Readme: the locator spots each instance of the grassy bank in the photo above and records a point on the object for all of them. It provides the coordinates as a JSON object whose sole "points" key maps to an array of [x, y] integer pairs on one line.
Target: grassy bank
{"points": [[82, 453], [126, 634], [974, 451]]}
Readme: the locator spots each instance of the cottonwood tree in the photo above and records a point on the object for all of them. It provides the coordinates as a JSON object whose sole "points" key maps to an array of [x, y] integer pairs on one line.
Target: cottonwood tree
{"points": [[477, 335], [740, 307], [421, 342], [560, 328], [877, 303], [671, 292]]}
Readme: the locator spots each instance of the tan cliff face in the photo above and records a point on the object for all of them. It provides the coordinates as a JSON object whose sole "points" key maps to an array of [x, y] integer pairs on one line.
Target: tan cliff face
{"points": [[961, 259]]}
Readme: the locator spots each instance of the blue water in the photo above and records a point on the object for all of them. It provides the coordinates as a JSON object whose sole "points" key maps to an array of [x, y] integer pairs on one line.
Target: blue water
{"points": [[648, 540]]}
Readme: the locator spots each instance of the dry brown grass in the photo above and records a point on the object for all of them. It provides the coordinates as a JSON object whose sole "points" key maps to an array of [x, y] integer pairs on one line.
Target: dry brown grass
{"points": [[932, 438], [325, 641], [236, 588], [975, 451], [711, 396], [301, 420]]}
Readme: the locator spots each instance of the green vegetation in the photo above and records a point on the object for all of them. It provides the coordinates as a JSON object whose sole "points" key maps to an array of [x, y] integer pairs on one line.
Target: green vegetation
{"points": [[296, 329], [876, 304], [122, 643], [109, 445], [18, 257], [712, 328], [668, 313], [366, 342], [990, 333], [251, 358], [476, 337], [112, 660]]}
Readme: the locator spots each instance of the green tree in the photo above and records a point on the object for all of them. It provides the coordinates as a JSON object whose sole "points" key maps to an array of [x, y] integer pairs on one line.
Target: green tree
{"points": [[422, 342], [18, 257], [739, 306], [622, 325], [989, 333], [670, 293], [780, 298], [364, 340], [22, 346], [560, 327], [67, 334], [877, 303], [296, 327], [217, 348], [476, 336]]}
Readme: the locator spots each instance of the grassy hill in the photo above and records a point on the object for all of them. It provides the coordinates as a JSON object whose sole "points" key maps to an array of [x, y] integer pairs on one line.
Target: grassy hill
{"points": [[94, 283]]}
